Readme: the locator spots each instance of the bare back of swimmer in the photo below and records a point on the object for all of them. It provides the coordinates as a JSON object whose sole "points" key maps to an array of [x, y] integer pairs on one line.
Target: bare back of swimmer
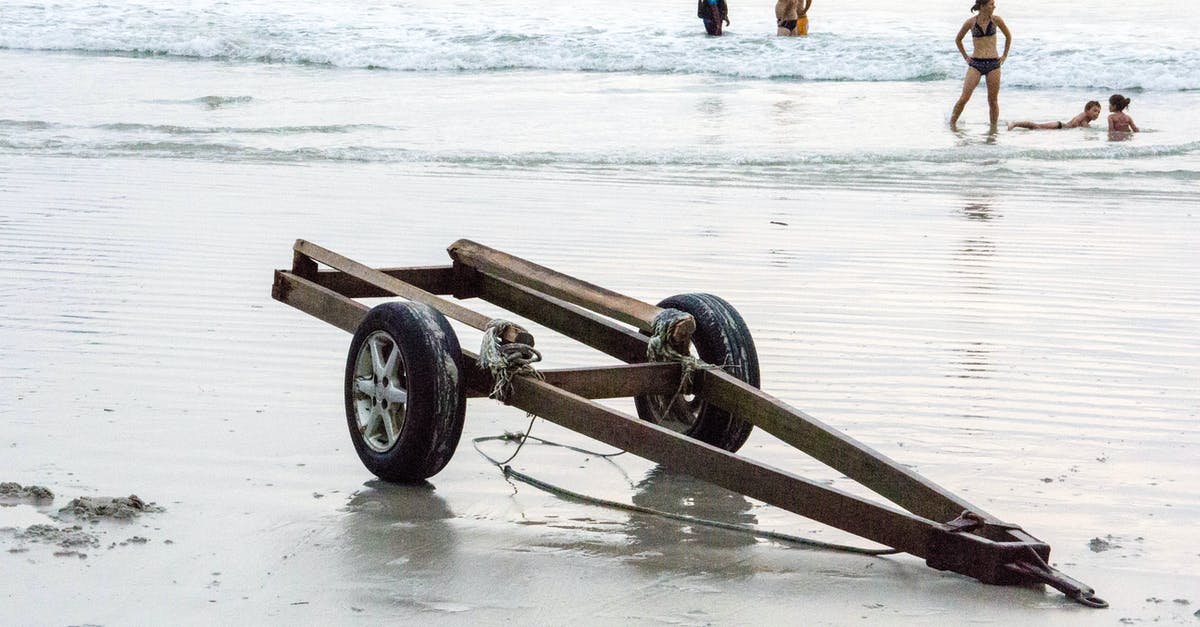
{"points": [[1091, 111]]}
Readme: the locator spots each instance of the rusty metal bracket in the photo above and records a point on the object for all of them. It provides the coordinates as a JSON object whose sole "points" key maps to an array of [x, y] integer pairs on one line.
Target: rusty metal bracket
{"points": [[963, 546], [1036, 569]]}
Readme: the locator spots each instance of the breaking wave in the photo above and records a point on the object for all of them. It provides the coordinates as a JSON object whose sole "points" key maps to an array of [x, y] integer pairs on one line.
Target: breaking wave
{"points": [[441, 40]]}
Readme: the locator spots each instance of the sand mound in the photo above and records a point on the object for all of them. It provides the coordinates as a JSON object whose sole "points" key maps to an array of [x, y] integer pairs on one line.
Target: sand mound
{"points": [[12, 489], [96, 507], [71, 536]]}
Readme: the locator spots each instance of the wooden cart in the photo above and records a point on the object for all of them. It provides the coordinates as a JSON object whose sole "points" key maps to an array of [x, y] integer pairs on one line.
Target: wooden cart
{"points": [[407, 381]]}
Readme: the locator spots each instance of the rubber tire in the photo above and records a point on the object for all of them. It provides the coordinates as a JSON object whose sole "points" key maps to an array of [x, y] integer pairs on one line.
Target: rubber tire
{"points": [[721, 337], [435, 380]]}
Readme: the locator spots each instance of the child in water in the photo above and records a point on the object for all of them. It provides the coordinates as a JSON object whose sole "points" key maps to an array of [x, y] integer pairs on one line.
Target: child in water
{"points": [[1118, 120], [713, 12], [1091, 111]]}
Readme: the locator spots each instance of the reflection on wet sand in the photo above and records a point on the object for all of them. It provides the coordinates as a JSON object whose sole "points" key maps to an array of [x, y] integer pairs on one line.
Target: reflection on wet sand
{"points": [[979, 211], [976, 248], [661, 543], [712, 113], [393, 528], [674, 543], [974, 359], [786, 113], [973, 262]]}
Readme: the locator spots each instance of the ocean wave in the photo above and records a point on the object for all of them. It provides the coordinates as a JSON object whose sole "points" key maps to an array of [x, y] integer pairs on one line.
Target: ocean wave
{"points": [[173, 129], [433, 42], [170, 129], [230, 151], [216, 102]]}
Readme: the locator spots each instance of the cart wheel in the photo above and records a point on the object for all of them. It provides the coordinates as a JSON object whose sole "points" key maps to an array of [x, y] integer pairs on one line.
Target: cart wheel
{"points": [[721, 337], [404, 391]]}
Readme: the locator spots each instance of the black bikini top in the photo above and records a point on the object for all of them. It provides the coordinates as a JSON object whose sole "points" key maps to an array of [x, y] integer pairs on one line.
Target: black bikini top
{"points": [[979, 32]]}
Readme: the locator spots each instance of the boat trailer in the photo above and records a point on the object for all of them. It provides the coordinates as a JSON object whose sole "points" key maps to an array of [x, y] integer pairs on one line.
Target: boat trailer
{"points": [[689, 363]]}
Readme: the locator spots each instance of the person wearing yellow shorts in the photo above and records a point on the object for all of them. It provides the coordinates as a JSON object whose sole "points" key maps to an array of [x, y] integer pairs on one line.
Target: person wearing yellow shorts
{"points": [[802, 19]]}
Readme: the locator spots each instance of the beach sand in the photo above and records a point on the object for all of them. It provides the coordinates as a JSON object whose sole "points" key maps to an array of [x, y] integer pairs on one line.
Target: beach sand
{"points": [[1014, 315], [1034, 353]]}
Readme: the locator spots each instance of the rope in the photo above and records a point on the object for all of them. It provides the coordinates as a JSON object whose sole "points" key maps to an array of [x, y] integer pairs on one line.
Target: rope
{"points": [[505, 355], [510, 473], [661, 349]]}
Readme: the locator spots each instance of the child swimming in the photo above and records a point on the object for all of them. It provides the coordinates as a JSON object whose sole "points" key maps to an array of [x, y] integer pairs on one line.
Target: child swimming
{"points": [[1091, 111]]}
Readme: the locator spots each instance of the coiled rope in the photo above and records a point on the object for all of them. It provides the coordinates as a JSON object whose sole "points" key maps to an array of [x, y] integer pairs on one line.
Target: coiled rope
{"points": [[507, 351], [661, 348]]}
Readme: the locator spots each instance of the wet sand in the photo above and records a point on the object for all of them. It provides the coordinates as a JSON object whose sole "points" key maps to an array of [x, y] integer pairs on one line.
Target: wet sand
{"points": [[1036, 354]]}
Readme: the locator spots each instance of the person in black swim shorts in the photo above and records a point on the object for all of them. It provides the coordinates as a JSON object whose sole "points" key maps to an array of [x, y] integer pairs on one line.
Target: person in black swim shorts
{"points": [[791, 17], [984, 63]]}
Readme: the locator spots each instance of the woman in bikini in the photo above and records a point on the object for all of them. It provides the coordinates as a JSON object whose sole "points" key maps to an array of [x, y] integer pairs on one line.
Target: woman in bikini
{"points": [[983, 62]]}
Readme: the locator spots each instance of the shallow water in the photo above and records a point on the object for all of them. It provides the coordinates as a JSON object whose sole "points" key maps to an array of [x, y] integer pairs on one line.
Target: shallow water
{"points": [[1012, 314]]}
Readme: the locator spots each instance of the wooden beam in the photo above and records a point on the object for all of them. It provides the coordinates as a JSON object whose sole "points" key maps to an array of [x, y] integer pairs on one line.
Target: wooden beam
{"points": [[542, 279], [597, 382], [439, 280], [616, 381], [318, 301], [600, 333], [390, 284], [856, 460], [868, 519]]}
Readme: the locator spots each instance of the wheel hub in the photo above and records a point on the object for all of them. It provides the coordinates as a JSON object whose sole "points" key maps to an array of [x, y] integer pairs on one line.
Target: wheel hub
{"points": [[380, 401]]}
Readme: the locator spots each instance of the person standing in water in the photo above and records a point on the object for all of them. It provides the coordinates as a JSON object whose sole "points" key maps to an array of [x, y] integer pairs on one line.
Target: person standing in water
{"points": [[791, 17], [1118, 120], [984, 62], [713, 12], [1091, 111]]}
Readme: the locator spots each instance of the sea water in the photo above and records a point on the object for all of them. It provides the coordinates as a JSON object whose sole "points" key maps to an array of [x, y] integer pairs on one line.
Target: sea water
{"points": [[635, 90]]}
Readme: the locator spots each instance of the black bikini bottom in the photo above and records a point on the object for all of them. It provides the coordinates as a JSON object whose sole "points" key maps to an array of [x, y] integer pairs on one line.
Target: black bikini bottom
{"points": [[984, 65]]}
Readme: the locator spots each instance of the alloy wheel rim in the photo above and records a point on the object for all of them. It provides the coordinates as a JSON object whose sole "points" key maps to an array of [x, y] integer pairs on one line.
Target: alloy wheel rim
{"points": [[380, 392]]}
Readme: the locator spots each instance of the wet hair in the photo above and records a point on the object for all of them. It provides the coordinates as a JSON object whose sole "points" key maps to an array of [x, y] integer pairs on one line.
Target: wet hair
{"points": [[978, 4], [1090, 104], [1119, 102]]}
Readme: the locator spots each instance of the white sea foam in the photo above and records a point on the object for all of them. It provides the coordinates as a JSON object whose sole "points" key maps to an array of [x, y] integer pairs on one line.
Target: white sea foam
{"points": [[858, 102], [231, 143], [658, 39]]}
